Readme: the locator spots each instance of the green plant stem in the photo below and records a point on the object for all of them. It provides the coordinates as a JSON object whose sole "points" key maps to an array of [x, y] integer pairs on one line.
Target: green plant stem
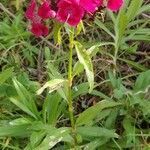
{"points": [[115, 57], [70, 100], [69, 89]]}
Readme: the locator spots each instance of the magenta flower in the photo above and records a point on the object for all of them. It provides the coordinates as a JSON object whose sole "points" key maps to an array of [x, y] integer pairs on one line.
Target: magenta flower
{"points": [[30, 12], [90, 5], [38, 29], [45, 11], [38, 15], [114, 5], [69, 11]]}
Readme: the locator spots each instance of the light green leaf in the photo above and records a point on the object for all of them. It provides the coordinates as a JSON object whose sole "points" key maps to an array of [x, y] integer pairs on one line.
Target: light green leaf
{"points": [[36, 138], [96, 143], [57, 33], [20, 121], [25, 100], [121, 25], [80, 28], [53, 74], [133, 9], [92, 51], [55, 136], [96, 132], [85, 60], [14, 131], [47, 54], [78, 68], [134, 64], [4, 75], [130, 129], [22, 107], [53, 85], [142, 83], [52, 108], [102, 26], [89, 114], [144, 8]]}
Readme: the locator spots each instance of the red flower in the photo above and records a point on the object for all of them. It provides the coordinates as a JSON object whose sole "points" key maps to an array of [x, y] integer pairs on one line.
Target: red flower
{"points": [[114, 5], [37, 16], [69, 11], [45, 11], [30, 12], [38, 29], [90, 5]]}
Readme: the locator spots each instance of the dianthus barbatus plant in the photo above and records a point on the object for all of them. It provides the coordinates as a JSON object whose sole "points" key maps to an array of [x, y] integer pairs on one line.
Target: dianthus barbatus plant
{"points": [[70, 12]]}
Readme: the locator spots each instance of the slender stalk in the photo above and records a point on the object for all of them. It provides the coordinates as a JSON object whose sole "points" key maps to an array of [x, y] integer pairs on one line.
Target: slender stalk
{"points": [[115, 57], [70, 100], [69, 88]]}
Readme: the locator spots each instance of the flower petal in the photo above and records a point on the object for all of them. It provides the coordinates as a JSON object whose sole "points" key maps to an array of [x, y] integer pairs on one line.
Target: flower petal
{"points": [[114, 5], [69, 11], [39, 29], [45, 11], [30, 12], [90, 5]]}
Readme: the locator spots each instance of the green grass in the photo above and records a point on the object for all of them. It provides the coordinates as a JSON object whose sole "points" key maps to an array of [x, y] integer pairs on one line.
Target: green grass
{"points": [[110, 88]]}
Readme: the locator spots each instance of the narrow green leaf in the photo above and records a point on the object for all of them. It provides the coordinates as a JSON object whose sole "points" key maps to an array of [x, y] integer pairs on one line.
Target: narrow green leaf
{"points": [[144, 8], [96, 132], [53, 105], [53, 138], [89, 114], [82, 89], [25, 100], [102, 26], [22, 107], [20, 121], [17, 130], [129, 129], [53, 85], [134, 64], [133, 9], [79, 28], [47, 54], [96, 143], [142, 83], [120, 25], [57, 33], [92, 51], [4, 75], [36, 138], [78, 68], [85, 60], [53, 74]]}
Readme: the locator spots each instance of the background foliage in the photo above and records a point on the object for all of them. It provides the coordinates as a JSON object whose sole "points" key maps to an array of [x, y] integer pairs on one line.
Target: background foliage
{"points": [[112, 48]]}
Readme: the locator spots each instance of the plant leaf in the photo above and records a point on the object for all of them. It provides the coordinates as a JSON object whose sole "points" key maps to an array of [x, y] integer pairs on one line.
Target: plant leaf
{"points": [[4, 75], [53, 138], [102, 26], [16, 130], [133, 9], [142, 83], [96, 132], [95, 144], [25, 100], [85, 60], [53, 85], [89, 114]]}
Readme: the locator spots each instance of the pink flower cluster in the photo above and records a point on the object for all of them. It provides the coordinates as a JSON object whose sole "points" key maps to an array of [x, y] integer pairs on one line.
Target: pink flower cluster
{"points": [[67, 11]]}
